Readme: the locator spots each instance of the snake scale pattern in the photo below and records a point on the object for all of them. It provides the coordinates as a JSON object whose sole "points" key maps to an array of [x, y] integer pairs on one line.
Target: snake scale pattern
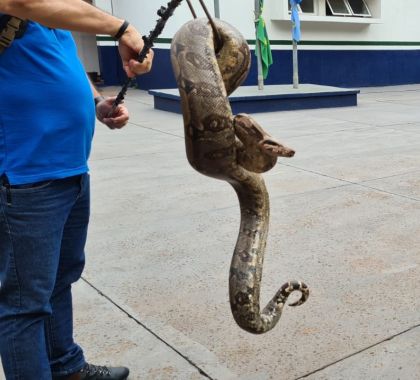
{"points": [[234, 149]]}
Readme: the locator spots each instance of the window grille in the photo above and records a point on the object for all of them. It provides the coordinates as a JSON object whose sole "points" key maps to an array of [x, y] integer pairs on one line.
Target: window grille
{"points": [[334, 11], [339, 8], [359, 8], [356, 8]]}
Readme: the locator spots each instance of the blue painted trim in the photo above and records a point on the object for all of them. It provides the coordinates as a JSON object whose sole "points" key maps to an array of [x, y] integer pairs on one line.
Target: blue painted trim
{"points": [[254, 104], [301, 43], [290, 96], [167, 104], [110, 64], [165, 95], [293, 103], [341, 68]]}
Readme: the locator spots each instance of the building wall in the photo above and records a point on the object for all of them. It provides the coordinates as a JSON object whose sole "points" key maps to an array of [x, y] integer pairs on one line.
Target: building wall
{"points": [[88, 51], [348, 52]]}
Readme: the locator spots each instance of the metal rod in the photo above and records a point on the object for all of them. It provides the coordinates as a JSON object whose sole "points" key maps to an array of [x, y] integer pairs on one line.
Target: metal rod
{"points": [[217, 8], [258, 47], [218, 38], [192, 9], [295, 65]]}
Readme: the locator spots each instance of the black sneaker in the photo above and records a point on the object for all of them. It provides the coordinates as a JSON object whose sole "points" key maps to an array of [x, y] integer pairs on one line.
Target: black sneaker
{"points": [[95, 372]]}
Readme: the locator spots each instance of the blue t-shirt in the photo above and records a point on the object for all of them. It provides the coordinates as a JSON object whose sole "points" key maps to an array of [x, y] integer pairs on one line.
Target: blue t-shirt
{"points": [[47, 113]]}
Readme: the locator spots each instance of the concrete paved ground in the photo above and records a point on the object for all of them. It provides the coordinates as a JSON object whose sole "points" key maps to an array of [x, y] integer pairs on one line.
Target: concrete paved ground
{"points": [[345, 219]]}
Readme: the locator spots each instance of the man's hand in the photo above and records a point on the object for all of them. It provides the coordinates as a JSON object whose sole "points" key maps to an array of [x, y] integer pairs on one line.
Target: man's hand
{"points": [[118, 120], [130, 46]]}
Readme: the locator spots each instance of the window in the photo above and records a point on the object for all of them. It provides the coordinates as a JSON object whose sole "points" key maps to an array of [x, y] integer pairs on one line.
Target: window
{"points": [[329, 11], [356, 8], [359, 8], [338, 8], [306, 6]]}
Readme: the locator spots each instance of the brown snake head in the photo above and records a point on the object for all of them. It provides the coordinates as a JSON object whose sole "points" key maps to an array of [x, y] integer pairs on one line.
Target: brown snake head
{"points": [[252, 134]]}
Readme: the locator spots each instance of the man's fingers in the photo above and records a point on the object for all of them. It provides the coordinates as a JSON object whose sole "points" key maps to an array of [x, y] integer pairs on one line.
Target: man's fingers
{"points": [[141, 68], [110, 123], [118, 121], [104, 110], [111, 100]]}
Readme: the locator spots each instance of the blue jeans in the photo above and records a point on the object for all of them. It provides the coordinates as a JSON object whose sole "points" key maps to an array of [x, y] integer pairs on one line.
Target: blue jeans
{"points": [[43, 231]]}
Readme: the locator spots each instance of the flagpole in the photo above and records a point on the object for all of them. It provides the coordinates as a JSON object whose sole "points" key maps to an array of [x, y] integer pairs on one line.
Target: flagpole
{"points": [[294, 11], [217, 8], [258, 48], [295, 65]]}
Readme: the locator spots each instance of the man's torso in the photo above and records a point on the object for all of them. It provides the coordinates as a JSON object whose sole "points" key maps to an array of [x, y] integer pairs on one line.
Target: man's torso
{"points": [[46, 108]]}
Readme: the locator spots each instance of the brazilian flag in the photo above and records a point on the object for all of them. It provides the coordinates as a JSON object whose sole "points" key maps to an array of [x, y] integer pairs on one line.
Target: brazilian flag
{"points": [[262, 36]]}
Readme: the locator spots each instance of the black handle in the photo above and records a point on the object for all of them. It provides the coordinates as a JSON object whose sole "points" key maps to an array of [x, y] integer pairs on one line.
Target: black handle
{"points": [[164, 13]]}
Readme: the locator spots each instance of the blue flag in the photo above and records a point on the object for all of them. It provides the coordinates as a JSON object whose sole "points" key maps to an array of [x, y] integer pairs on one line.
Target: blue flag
{"points": [[295, 19]]}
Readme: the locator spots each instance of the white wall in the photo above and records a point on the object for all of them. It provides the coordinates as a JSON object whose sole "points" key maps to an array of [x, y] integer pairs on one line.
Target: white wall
{"points": [[104, 4], [143, 14], [400, 20], [87, 49]]}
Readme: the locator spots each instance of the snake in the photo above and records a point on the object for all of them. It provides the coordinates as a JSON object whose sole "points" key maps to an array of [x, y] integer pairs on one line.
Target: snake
{"points": [[232, 148]]}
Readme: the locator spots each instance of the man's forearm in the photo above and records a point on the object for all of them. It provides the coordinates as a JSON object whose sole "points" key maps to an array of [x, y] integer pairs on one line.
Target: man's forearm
{"points": [[75, 15]]}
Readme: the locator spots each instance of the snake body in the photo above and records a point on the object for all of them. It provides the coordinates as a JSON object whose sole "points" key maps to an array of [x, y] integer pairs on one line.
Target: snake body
{"points": [[234, 149]]}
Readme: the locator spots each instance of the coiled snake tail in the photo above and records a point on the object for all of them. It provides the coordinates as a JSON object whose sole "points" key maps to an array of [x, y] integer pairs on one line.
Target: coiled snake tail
{"points": [[248, 258]]}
